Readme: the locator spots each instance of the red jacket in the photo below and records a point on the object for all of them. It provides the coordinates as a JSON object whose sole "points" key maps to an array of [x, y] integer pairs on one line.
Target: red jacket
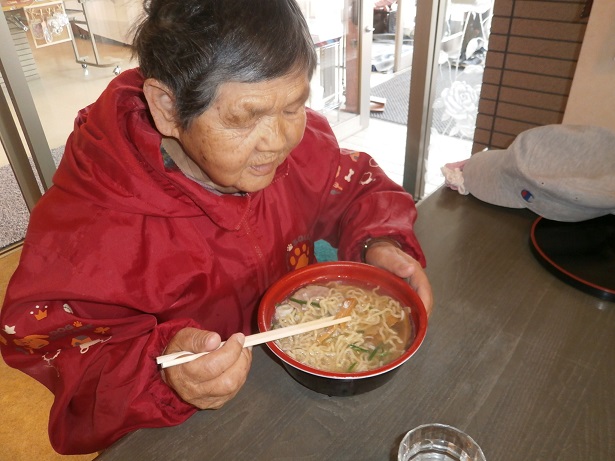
{"points": [[122, 252]]}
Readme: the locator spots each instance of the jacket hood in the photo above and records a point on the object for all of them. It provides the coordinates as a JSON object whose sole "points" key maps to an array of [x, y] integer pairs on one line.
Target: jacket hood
{"points": [[113, 159]]}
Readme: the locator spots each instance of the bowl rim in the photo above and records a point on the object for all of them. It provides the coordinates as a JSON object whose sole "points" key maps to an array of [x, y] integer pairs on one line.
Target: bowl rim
{"points": [[318, 271]]}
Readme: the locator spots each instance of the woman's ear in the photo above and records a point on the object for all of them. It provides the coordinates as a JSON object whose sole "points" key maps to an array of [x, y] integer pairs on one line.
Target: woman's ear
{"points": [[162, 106]]}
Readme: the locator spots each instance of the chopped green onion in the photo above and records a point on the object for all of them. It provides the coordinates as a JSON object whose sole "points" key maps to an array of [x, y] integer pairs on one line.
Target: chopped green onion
{"points": [[373, 354], [358, 348], [351, 367], [300, 301]]}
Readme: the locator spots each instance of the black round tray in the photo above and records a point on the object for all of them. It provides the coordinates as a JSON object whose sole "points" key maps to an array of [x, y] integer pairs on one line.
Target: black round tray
{"points": [[581, 254]]}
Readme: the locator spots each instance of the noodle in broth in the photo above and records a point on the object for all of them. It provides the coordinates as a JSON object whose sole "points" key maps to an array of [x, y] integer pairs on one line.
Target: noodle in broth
{"points": [[378, 332]]}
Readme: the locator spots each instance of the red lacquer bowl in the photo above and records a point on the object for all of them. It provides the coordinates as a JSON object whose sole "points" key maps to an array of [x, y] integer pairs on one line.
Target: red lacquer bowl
{"points": [[342, 384]]}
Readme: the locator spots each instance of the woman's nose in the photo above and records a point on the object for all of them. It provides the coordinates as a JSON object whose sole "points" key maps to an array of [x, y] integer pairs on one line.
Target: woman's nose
{"points": [[272, 134]]}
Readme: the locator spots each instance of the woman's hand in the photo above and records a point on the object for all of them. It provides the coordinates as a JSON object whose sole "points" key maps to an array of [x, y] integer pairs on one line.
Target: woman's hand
{"points": [[213, 379], [387, 256]]}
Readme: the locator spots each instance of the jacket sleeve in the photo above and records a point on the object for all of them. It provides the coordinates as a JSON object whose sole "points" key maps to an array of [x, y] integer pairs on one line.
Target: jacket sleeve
{"points": [[97, 358], [360, 202]]}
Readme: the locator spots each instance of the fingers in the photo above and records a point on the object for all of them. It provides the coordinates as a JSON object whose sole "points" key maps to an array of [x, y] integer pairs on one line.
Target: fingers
{"points": [[219, 379], [213, 379], [194, 340], [393, 259], [396, 261], [420, 283], [218, 361]]}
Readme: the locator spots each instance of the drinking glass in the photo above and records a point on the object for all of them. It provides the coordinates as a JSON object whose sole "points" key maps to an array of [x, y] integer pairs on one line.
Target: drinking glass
{"points": [[438, 442]]}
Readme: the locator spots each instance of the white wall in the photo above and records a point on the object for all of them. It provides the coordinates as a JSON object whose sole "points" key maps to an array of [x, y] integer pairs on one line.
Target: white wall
{"points": [[592, 96], [110, 18]]}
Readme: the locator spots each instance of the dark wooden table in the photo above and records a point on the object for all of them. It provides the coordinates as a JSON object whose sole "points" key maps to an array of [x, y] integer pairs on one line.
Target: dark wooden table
{"points": [[519, 360]]}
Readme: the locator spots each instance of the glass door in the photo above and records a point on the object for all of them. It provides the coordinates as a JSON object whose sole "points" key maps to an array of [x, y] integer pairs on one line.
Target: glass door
{"points": [[462, 36], [338, 88], [26, 167], [426, 70], [59, 58]]}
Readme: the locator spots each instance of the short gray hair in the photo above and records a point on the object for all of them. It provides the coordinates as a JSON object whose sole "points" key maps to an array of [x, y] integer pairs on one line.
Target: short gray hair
{"points": [[193, 46]]}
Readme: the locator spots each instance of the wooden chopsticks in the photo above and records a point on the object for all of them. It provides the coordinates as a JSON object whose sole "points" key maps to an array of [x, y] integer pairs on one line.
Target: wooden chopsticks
{"points": [[178, 358]]}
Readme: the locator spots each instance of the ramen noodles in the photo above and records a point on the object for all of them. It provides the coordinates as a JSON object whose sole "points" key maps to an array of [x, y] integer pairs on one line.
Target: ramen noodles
{"points": [[379, 330]]}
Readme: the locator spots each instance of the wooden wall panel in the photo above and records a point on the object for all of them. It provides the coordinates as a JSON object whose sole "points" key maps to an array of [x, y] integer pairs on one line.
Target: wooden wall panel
{"points": [[533, 50]]}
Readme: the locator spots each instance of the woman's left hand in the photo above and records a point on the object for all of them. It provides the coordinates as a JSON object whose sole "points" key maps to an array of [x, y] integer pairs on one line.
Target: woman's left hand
{"points": [[391, 258]]}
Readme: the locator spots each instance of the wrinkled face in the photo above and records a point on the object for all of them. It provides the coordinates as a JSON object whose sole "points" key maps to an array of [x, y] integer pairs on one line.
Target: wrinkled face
{"points": [[248, 131]]}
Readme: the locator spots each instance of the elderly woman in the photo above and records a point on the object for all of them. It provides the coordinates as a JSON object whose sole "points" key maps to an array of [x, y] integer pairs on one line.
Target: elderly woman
{"points": [[186, 189]]}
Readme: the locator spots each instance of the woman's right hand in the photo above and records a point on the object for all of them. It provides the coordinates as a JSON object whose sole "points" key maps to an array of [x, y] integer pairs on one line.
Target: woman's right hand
{"points": [[213, 379]]}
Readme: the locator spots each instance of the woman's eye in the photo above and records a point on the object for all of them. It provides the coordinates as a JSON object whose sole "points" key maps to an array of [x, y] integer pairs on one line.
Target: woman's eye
{"points": [[293, 110]]}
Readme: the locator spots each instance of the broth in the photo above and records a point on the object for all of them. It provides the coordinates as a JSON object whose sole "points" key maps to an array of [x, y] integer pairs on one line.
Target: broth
{"points": [[379, 331]]}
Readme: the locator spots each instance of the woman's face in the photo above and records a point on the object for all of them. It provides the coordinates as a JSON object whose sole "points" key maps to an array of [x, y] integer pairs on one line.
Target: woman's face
{"points": [[248, 131]]}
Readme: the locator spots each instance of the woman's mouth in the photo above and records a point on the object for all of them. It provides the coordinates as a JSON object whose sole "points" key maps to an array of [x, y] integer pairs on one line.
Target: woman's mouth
{"points": [[264, 169]]}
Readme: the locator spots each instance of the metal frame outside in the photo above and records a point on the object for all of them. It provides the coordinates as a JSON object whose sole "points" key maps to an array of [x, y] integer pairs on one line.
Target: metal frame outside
{"points": [[427, 37], [21, 124]]}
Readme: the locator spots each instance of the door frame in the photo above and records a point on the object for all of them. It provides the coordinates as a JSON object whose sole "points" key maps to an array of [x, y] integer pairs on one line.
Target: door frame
{"points": [[428, 32], [365, 29], [28, 126]]}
